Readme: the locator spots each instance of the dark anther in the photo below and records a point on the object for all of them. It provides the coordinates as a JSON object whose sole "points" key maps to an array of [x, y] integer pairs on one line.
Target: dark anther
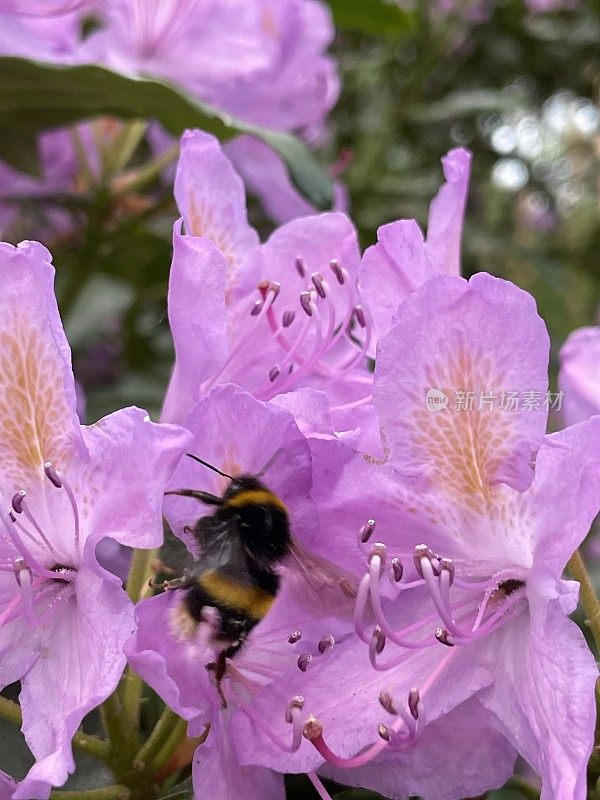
{"points": [[52, 475], [334, 265], [305, 303], [443, 636], [303, 661], [257, 308], [317, 280], [288, 318], [17, 501], [397, 569], [325, 643], [367, 531], [383, 731], [387, 702], [413, 702], [360, 316], [379, 637]]}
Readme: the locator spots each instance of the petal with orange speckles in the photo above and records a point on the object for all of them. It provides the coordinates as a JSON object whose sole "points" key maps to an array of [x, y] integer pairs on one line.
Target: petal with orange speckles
{"points": [[212, 200], [38, 420], [443, 376]]}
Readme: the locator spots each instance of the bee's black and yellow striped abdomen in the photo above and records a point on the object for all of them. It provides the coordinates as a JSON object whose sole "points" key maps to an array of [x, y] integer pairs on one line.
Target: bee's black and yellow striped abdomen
{"points": [[240, 606]]}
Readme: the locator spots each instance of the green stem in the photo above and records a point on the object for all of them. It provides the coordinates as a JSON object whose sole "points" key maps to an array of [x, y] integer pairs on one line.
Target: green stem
{"points": [[140, 572], [164, 754], [139, 178], [123, 739], [115, 792], [523, 786], [157, 739], [131, 696], [587, 595], [117, 153], [137, 581], [11, 711]]}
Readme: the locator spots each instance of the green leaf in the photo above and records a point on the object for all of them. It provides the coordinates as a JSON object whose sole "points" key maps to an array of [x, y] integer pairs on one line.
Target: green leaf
{"points": [[378, 17], [183, 791], [15, 756], [35, 96], [18, 147]]}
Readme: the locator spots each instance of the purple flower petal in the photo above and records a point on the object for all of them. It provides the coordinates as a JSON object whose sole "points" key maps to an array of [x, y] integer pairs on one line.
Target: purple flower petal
{"points": [[565, 495], [131, 460], [39, 423], [452, 338], [212, 199], [174, 669], [74, 675], [459, 755], [7, 786], [317, 240], [402, 260], [446, 213], [217, 773], [63, 620], [351, 716], [197, 315], [543, 695], [265, 175], [579, 376]]}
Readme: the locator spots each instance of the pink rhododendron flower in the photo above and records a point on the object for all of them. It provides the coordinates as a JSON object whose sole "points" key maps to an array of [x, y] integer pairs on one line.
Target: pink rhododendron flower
{"points": [[268, 317], [59, 172], [240, 434], [402, 260], [579, 377], [473, 624], [264, 61], [47, 33], [63, 619]]}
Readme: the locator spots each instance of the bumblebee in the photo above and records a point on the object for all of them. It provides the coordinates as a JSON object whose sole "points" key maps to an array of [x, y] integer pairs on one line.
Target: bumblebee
{"points": [[241, 547]]}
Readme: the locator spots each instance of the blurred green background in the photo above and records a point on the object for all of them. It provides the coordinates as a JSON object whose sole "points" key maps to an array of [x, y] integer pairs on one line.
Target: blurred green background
{"points": [[518, 86]]}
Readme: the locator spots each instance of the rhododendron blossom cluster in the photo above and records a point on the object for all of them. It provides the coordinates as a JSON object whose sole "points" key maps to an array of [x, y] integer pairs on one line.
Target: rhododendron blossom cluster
{"points": [[425, 643], [337, 551]]}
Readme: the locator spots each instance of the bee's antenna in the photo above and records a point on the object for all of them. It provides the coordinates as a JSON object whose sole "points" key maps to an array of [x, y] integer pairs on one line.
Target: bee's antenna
{"points": [[270, 462], [210, 466]]}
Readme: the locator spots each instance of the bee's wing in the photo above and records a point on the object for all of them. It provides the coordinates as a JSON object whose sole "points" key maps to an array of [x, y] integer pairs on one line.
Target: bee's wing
{"points": [[174, 555], [329, 581], [220, 547]]}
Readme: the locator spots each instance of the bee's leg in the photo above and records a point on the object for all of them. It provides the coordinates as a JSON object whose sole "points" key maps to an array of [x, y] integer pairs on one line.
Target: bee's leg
{"points": [[159, 566], [204, 497], [176, 583], [219, 667]]}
